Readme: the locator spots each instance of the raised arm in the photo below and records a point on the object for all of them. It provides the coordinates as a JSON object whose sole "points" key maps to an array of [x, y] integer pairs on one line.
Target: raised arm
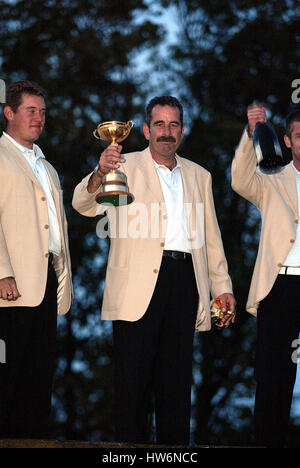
{"points": [[246, 181]]}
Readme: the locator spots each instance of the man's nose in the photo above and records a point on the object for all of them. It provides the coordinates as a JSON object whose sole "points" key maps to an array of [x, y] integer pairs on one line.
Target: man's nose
{"points": [[39, 116], [166, 130]]}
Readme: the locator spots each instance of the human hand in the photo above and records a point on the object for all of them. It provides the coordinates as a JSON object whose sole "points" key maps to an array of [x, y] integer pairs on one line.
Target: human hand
{"points": [[8, 289], [256, 112], [110, 158], [228, 303]]}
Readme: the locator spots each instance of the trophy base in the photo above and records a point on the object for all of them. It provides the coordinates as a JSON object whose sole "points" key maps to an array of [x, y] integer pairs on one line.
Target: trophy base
{"points": [[115, 198]]}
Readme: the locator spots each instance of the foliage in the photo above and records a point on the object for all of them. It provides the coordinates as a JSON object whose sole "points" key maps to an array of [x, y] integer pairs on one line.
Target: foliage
{"points": [[84, 54]]}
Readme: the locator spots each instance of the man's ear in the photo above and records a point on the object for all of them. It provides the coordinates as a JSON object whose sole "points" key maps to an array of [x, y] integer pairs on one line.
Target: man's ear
{"points": [[182, 130], [287, 141], [8, 112], [146, 131]]}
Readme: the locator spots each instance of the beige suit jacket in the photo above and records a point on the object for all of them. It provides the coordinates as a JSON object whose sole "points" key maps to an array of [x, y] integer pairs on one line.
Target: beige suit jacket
{"points": [[24, 233], [276, 197], [137, 243]]}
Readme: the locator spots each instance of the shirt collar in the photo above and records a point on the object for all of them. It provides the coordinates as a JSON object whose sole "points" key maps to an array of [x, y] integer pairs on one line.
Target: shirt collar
{"points": [[35, 152], [296, 170], [157, 165]]}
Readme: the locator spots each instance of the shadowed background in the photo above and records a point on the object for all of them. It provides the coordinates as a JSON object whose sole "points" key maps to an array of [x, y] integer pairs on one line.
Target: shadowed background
{"points": [[102, 60]]}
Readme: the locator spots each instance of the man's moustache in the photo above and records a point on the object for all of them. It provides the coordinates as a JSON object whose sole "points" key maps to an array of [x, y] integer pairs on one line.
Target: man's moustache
{"points": [[167, 139]]}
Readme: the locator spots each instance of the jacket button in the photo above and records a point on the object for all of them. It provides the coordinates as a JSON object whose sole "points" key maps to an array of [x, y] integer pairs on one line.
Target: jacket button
{"points": [[155, 270], [296, 221], [43, 198], [292, 240], [46, 226], [47, 255], [279, 264], [162, 244]]}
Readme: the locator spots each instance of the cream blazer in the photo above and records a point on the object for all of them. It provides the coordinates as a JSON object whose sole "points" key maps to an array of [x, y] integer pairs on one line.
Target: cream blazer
{"points": [[276, 197], [24, 233], [137, 234]]}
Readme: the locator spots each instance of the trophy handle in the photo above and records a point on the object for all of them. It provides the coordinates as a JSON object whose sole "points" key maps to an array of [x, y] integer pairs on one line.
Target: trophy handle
{"points": [[130, 124], [95, 133]]}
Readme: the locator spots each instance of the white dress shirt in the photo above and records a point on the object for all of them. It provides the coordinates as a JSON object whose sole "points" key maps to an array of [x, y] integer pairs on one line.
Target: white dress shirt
{"points": [[177, 237], [33, 157], [293, 258]]}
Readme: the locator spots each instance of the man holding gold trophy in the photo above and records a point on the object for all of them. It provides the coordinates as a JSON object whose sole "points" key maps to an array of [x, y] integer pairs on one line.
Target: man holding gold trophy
{"points": [[159, 276]]}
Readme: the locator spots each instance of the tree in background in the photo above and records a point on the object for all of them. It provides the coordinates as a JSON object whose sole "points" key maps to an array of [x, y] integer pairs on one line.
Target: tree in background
{"points": [[83, 52]]}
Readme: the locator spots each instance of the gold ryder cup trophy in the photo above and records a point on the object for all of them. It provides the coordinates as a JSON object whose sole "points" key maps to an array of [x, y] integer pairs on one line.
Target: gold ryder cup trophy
{"points": [[115, 190]]}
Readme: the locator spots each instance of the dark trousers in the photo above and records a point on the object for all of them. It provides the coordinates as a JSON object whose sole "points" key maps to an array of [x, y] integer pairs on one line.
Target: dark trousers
{"points": [[278, 325], [26, 377], [155, 353]]}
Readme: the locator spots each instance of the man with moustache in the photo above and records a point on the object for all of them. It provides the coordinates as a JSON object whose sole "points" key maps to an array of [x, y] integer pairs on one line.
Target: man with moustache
{"points": [[157, 289], [274, 295], [35, 270]]}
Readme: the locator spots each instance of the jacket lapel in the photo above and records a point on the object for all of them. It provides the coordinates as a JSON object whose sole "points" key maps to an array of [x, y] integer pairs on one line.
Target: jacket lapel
{"points": [[20, 159], [287, 181], [151, 179], [149, 174], [56, 192], [188, 179]]}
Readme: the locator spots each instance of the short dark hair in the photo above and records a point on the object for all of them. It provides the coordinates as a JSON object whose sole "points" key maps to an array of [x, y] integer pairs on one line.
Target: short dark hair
{"points": [[15, 91], [291, 118], [163, 101]]}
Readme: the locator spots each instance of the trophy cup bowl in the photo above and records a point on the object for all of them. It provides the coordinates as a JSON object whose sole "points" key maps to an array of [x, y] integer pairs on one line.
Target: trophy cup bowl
{"points": [[115, 190]]}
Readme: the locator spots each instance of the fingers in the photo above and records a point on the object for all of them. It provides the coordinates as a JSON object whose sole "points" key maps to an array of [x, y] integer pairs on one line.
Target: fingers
{"points": [[228, 304], [111, 158], [229, 318], [9, 290], [256, 103], [14, 291], [256, 112]]}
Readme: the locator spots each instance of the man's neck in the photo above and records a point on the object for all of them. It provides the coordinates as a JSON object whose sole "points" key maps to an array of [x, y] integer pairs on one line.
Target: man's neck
{"points": [[25, 143], [169, 162], [296, 164]]}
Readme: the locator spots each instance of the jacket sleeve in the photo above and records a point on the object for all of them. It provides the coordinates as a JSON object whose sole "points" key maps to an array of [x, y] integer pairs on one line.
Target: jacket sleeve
{"points": [[246, 179], [217, 265], [84, 202], [6, 269]]}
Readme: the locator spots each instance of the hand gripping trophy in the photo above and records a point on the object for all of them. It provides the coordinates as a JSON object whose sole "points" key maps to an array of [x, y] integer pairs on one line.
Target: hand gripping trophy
{"points": [[115, 190]]}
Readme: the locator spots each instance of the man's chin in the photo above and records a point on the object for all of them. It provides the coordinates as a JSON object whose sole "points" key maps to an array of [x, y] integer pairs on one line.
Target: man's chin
{"points": [[35, 134]]}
